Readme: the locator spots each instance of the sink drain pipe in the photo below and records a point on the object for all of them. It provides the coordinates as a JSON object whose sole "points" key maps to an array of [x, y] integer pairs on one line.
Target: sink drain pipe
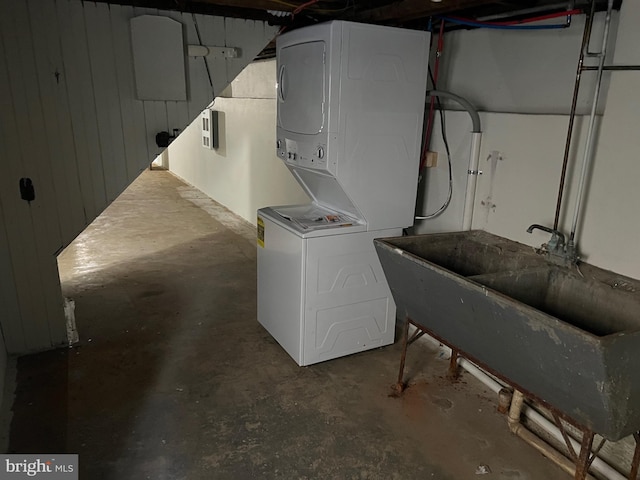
{"points": [[519, 407], [515, 411]]}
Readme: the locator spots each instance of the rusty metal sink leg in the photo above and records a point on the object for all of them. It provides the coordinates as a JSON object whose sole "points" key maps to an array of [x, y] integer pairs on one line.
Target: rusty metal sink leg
{"points": [[585, 458], [399, 387], [587, 453], [581, 460], [453, 372]]}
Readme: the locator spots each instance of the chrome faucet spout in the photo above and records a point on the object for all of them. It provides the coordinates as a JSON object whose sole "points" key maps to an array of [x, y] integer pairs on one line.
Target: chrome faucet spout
{"points": [[556, 247], [536, 226], [557, 237], [539, 227]]}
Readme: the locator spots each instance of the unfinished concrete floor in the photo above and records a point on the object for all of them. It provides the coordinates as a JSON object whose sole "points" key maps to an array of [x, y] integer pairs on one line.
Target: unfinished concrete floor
{"points": [[173, 377]]}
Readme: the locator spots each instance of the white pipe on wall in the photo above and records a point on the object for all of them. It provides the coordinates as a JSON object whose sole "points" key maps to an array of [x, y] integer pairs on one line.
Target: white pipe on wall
{"points": [[472, 180]]}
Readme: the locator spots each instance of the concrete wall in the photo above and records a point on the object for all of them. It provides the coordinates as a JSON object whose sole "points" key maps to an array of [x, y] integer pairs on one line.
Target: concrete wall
{"points": [[70, 121], [243, 174], [521, 188]]}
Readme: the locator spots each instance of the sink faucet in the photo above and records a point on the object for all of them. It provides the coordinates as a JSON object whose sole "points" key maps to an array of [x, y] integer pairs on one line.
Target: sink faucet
{"points": [[557, 238], [557, 247]]}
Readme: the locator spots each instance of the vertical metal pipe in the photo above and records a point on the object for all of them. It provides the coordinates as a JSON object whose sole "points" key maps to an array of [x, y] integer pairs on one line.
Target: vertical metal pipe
{"points": [[588, 154], [572, 116]]}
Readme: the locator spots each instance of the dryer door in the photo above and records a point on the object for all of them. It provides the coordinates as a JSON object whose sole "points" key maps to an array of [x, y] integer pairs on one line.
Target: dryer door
{"points": [[301, 88]]}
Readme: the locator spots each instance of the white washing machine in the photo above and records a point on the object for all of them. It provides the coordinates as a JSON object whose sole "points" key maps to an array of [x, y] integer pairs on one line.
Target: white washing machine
{"points": [[321, 291]]}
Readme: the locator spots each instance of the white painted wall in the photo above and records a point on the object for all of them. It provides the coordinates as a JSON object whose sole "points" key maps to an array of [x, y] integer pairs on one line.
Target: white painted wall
{"points": [[243, 174], [518, 189], [523, 186], [500, 71], [69, 119], [524, 71]]}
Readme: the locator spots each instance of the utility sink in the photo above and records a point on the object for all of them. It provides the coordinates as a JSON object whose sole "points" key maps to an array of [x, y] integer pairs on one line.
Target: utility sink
{"points": [[568, 336]]}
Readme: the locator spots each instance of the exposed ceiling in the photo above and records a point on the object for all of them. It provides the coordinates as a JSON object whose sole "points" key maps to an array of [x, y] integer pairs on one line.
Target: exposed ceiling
{"points": [[291, 14], [407, 13]]}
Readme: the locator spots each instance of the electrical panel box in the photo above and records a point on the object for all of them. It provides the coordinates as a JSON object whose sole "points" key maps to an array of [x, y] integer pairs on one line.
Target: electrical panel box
{"points": [[209, 125]]}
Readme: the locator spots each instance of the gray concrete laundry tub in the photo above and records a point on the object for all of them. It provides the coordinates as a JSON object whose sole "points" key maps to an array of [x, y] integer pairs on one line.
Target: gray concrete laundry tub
{"points": [[568, 336]]}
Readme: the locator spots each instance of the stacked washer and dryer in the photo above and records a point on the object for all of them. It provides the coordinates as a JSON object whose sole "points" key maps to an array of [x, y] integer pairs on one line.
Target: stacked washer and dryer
{"points": [[350, 106]]}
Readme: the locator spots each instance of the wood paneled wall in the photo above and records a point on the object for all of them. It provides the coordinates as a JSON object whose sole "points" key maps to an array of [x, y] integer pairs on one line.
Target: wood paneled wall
{"points": [[69, 120]]}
